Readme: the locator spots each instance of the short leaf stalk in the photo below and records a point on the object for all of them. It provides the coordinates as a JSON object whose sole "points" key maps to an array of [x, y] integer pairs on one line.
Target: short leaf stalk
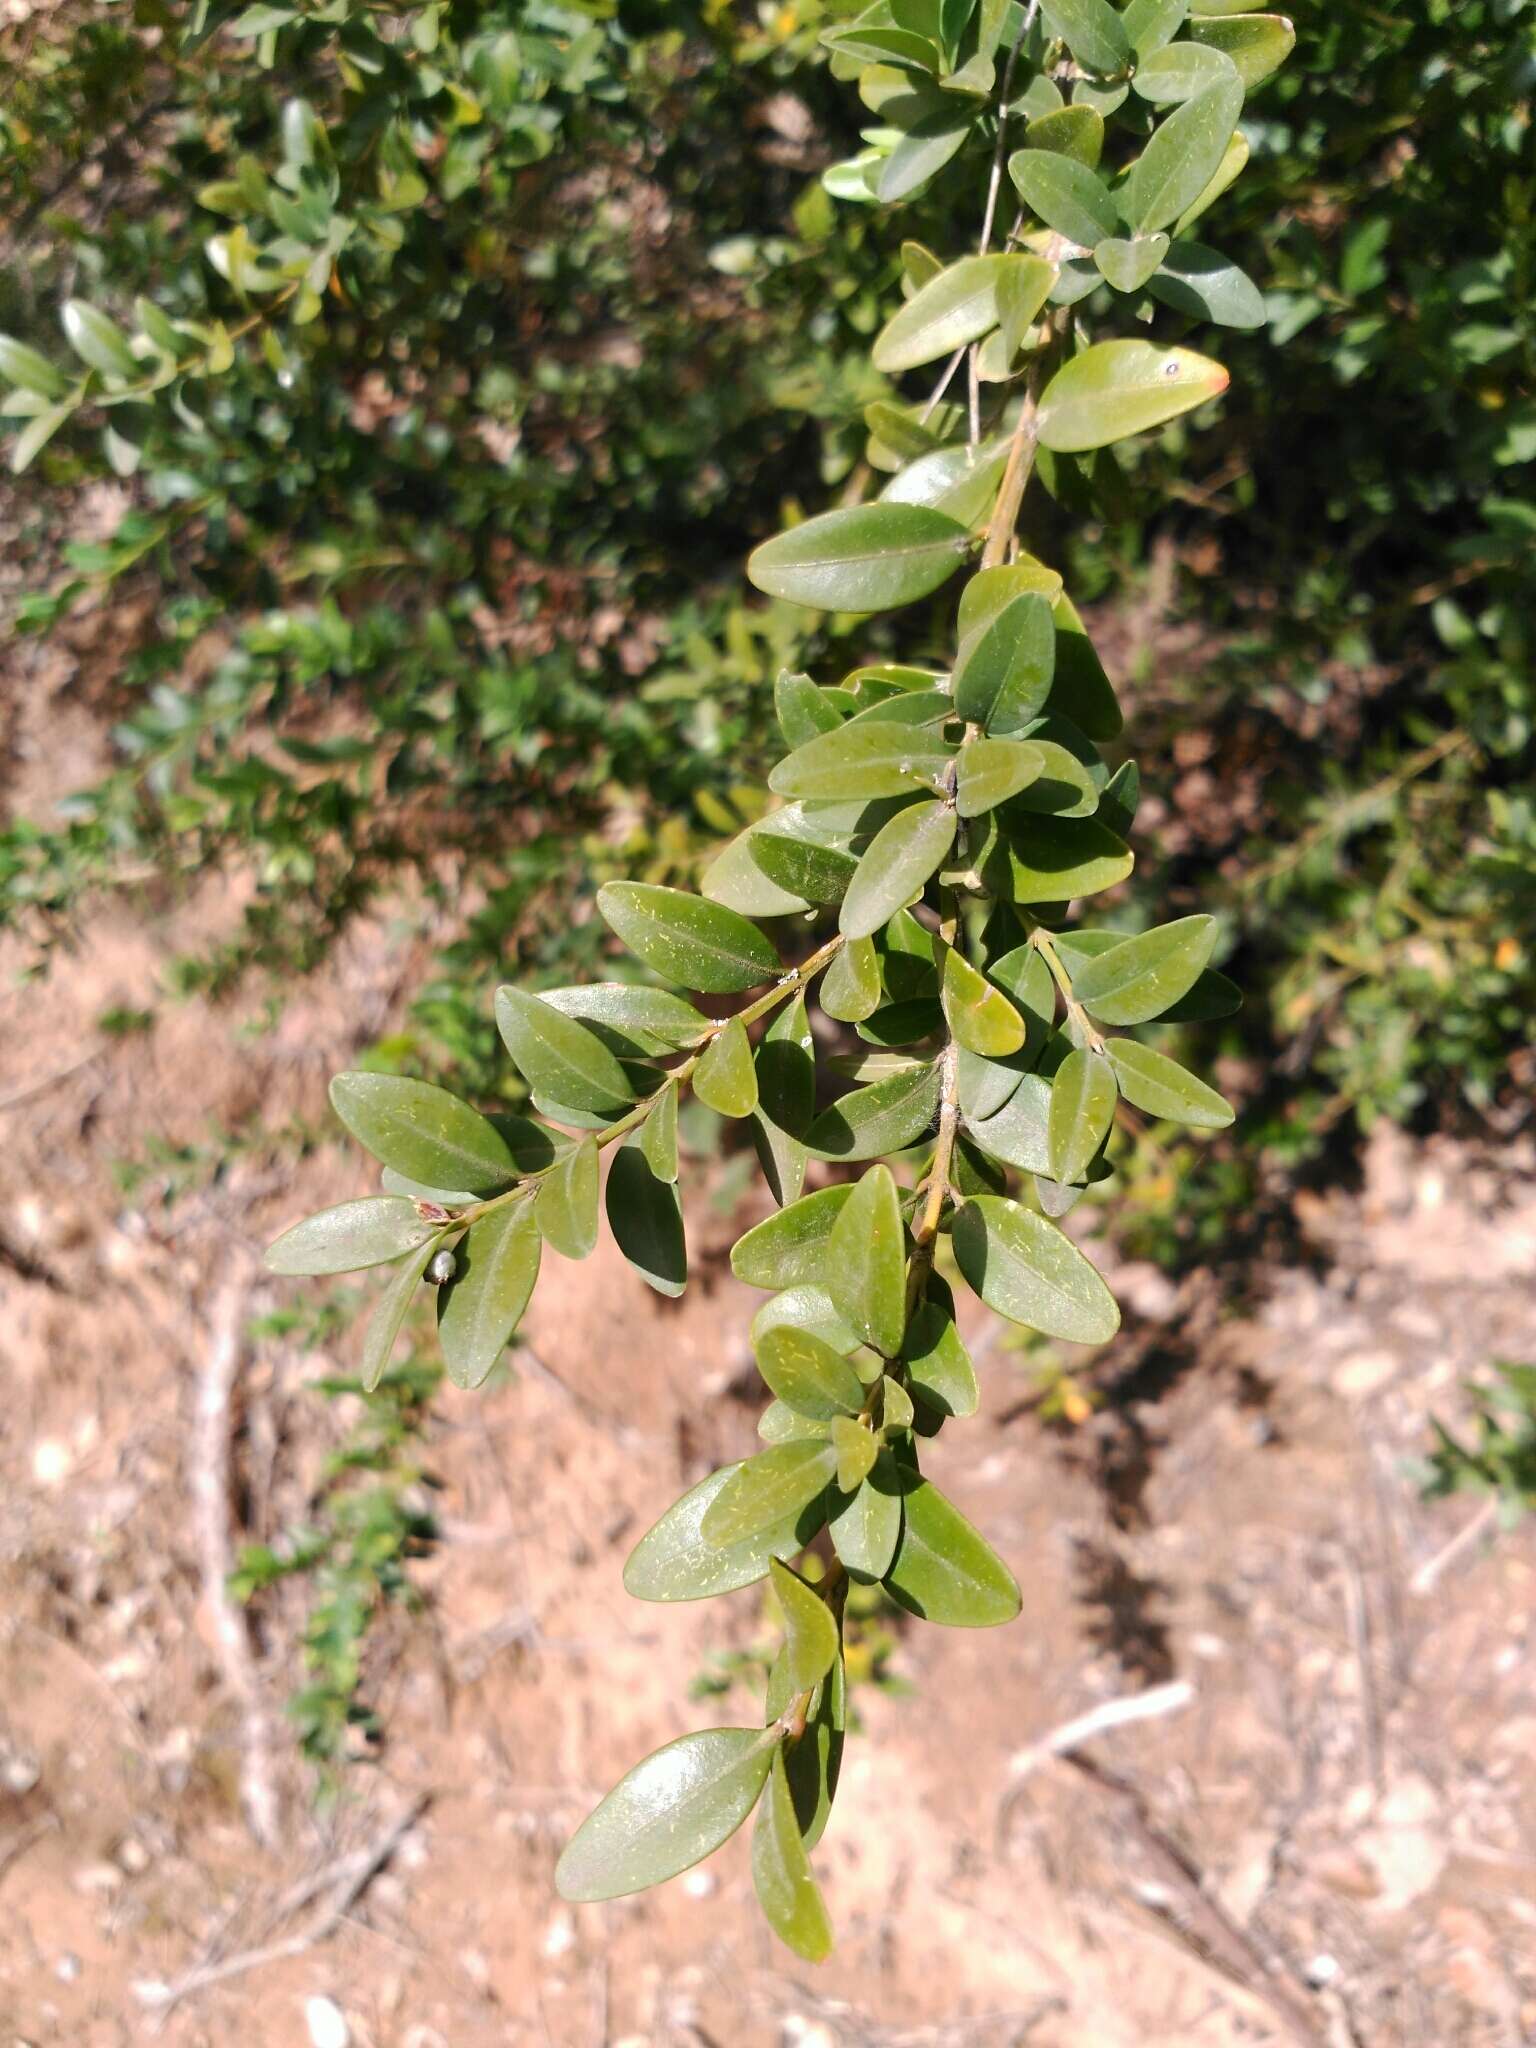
{"points": [[953, 816]]}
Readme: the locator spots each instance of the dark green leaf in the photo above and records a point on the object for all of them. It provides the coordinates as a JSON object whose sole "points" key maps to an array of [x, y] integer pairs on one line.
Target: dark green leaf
{"points": [[559, 1057], [816, 874], [565, 1205], [1018, 1132], [1092, 31], [1161, 1087], [781, 1874], [674, 1561], [790, 1246], [939, 1369], [1126, 265], [767, 1490], [389, 1312], [1081, 690], [1077, 132], [802, 709], [1004, 665], [786, 1099], [943, 1570], [896, 865], [861, 558], [424, 1132], [370, 1232], [1051, 860], [498, 1263], [1207, 286], [886, 1117], [866, 1266], [1025, 1269], [667, 1814], [1181, 158], [632, 1021], [1139, 978], [702, 945], [1065, 194], [646, 1219], [1083, 1097]]}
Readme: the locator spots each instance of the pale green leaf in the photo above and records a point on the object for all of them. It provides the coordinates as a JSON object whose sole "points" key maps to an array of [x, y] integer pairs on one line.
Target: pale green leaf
{"points": [[811, 1640], [866, 1262], [424, 1132], [566, 1202], [1024, 1268], [370, 1232], [725, 1079], [1161, 1087], [701, 945], [1118, 388], [1083, 1097], [667, 1814], [896, 865], [860, 558], [781, 1873], [477, 1312], [944, 1571]]}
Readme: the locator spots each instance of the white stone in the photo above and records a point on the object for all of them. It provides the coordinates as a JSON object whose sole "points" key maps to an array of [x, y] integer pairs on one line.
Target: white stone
{"points": [[327, 2023]]}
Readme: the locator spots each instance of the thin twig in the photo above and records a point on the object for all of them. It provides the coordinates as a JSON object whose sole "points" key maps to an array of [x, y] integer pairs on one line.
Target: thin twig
{"points": [[1150, 1705], [30, 1089], [1429, 1574]]}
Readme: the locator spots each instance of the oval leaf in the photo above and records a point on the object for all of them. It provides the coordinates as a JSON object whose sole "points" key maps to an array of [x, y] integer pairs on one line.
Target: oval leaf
{"points": [[980, 1017], [477, 1312], [701, 945], [957, 306], [767, 1490], [1083, 1097], [866, 1528], [885, 1117], [944, 1571], [866, 1267], [1117, 388], [559, 1057], [725, 1079], [811, 1640], [389, 1312], [1029, 1272], [646, 1219], [896, 866], [864, 761], [850, 988], [1139, 978], [667, 1814], [1161, 1087], [807, 1375], [988, 772], [792, 1245], [350, 1236], [565, 1205], [424, 1132], [674, 1560], [1004, 665], [1181, 158], [1065, 194], [861, 558], [781, 1873]]}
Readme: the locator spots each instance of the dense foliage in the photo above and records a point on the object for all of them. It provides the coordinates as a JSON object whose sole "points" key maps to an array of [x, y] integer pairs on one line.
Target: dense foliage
{"points": [[953, 817]]}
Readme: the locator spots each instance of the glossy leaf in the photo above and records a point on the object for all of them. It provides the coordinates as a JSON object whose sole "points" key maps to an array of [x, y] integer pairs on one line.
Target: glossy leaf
{"points": [[558, 1056], [856, 1448], [781, 1873], [885, 1117], [865, 761], [767, 1490], [1205, 285], [1139, 978], [1257, 43], [779, 1424], [811, 1640], [791, 1246], [1065, 194], [351, 1236], [1004, 665], [807, 1375], [1118, 388], [1025, 1269], [866, 1526], [675, 1561], [1171, 76], [1151, 24], [939, 1369], [477, 1312], [807, 1306], [667, 1814], [1017, 1133], [850, 988], [1081, 690], [98, 340], [738, 881], [817, 874], [866, 1266], [802, 709], [700, 945], [1083, 1097], [786, 1099], [424, 1132], [988, 772], [957, 306], [1091, 30], [897, 863], [633, 1021], [924, 150], [1161, 1087], [725, 1079], [1077, 132], [1181, 158], [389, 1313], [1051, 860], [566, 1203], [1126, 265], [861, 558], [1230, 167], [980, 1017], [944, 1571], [646, 1219], [658, 1135]]}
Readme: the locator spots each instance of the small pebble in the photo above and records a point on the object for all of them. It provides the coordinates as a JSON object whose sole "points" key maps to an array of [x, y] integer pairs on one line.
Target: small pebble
{"points": [[67, 1968], [327, 2023]]}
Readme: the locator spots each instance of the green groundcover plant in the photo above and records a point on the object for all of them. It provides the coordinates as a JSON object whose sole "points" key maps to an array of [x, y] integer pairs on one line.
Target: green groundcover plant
{"points": [[945, 821]]}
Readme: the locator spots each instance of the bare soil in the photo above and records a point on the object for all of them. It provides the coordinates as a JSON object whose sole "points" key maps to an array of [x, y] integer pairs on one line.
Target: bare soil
{"points": [[1327, 1835]]}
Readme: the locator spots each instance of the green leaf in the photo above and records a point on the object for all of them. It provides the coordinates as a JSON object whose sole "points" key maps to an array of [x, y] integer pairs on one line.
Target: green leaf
{"points": [[815, 874], [802, 709], [1231, 167], [1205, 285], [866, 1528], [634, 1022], [944, 1571], [988, 772], [389, 1312], [27, 370], [856, 1450], [350, 1236], [674, 1561], [559, 1057], [813, 1763], [1170, 76], [781, 1874], [806, 1307], [811, 1640], [790, 1246], [779, 1424], [939, 1369], [98, 341], [865, 761], [860, 558], [924, 150], [1065, 194], [498, 1263], [1126, 265], [736, 880], [807, 1375], [1139, 978], [424, 1132], [1081, 690], [1161, 1087], [896, 865], [1017, 1133], [980, 1017], [786, 1099], [1181, 157], [566, 1202], [957, 306], [1004, 665], [658, 1135], [1118, 388], [886, 1117], [1150, 24], [1076, 132], [725, 1079], [1052, 860], [767, 1490], [1025, 1269], [1092, 31], [667, 1814], [866, 1266], [702, 945], [646, 1219], [1083, 1097], [850, 988], [1257, 43]]}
